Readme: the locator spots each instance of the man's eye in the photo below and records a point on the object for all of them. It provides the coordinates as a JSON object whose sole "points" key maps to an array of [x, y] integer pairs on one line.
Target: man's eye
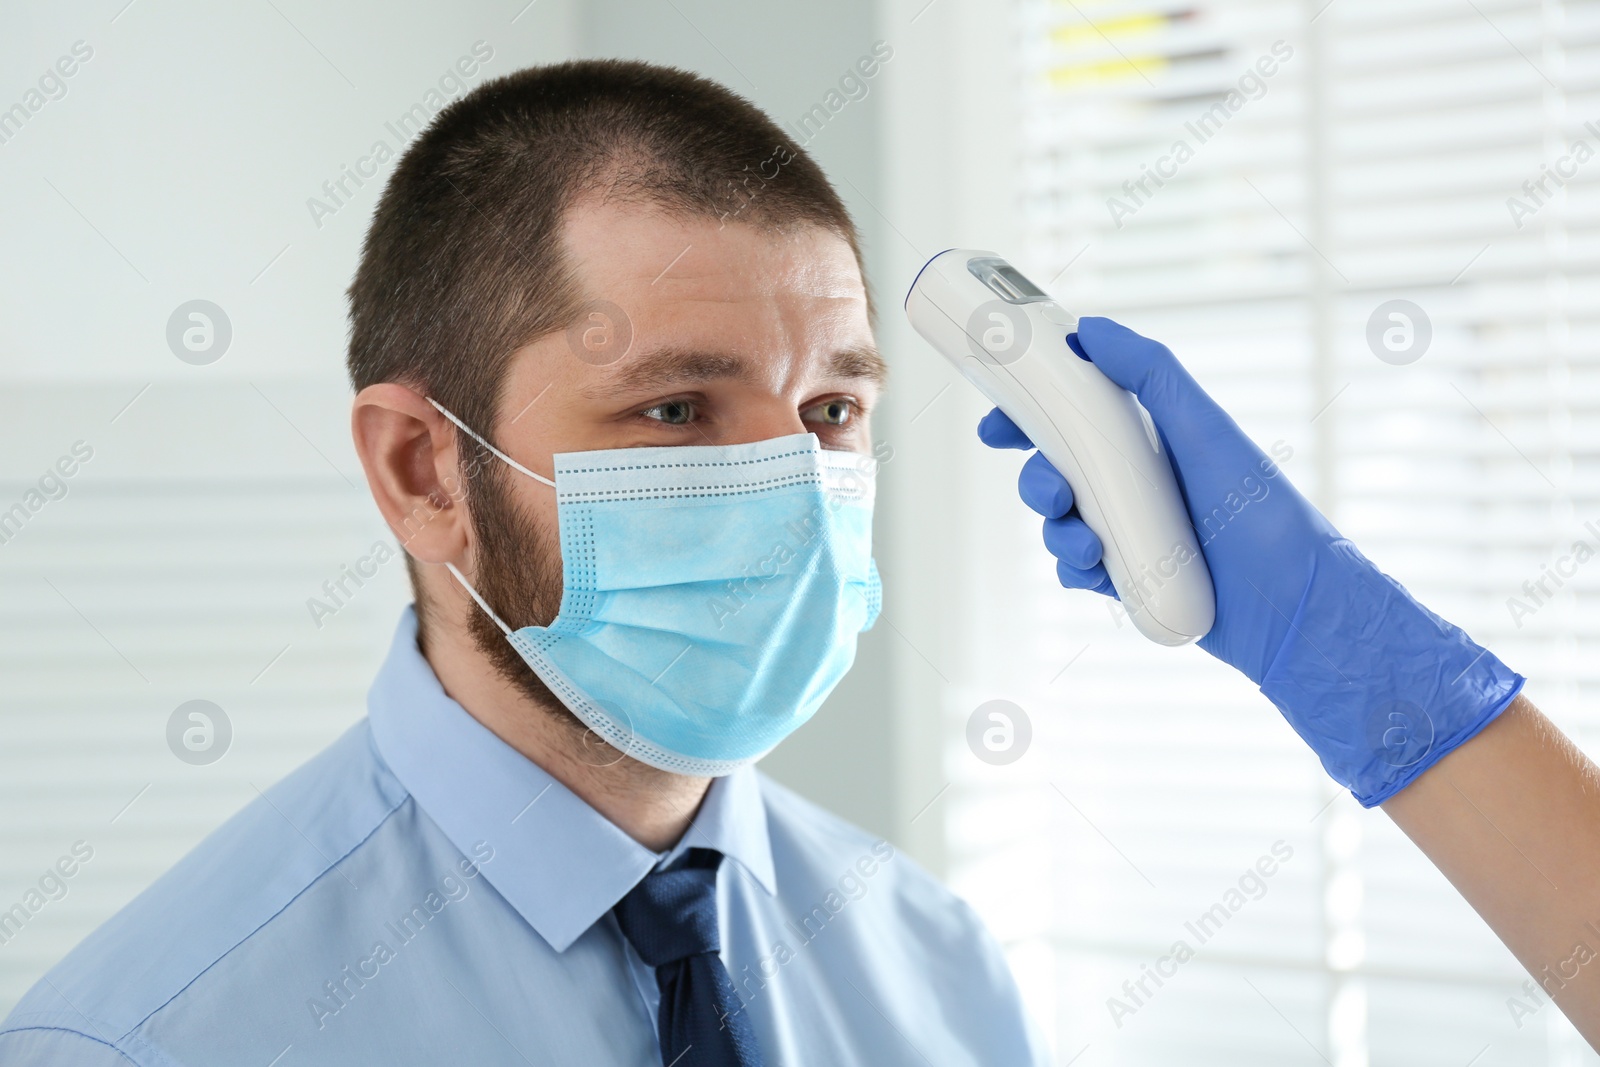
{"points": [[833, 412], [671, 412]]}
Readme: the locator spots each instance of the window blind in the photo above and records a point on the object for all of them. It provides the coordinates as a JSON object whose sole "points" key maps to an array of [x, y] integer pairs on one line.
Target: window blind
{"points": [[1255, 183]]}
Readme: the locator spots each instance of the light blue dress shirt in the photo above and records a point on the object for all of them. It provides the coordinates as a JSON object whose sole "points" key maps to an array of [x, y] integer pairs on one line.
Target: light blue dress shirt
{"points": [[420, 893]]}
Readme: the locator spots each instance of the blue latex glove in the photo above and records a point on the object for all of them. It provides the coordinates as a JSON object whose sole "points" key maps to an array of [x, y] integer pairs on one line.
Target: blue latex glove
{"points": [[1379, 686]]}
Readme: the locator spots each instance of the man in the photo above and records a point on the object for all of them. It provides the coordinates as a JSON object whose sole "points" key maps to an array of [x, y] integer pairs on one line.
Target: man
{"points": [[615, 369]]}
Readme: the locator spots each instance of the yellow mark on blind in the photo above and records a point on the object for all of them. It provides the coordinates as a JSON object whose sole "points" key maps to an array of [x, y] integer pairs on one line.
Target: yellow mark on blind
{"points": [[1106, 70], [1125, 26]]}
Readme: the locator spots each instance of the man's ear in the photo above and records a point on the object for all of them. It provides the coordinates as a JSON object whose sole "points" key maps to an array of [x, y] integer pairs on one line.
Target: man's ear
{"points": [[408, 451]]}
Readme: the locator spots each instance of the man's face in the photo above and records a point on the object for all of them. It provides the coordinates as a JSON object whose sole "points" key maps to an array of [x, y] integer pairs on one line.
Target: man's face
{"points": [[732, 335]]}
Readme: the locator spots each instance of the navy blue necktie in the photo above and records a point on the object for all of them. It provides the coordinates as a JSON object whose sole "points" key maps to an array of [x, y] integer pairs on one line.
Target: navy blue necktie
{"points": [[670, 918]]}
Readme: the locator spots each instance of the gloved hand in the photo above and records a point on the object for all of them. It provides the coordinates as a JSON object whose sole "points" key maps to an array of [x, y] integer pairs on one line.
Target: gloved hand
{"points": [[1379, 686]]}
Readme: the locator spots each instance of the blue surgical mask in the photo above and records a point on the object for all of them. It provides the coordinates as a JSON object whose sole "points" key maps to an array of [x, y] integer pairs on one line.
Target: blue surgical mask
{"points": [[711, 594]]}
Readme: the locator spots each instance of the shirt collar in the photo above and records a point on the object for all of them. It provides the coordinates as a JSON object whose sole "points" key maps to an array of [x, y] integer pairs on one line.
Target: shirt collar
{"points": [[559, 862]]}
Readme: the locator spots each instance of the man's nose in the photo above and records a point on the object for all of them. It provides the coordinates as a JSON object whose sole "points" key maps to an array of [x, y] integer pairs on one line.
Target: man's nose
{"points": [[762, 420]]}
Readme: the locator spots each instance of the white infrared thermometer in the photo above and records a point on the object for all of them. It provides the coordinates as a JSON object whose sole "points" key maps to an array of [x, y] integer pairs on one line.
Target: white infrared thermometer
{"points": [[1009, 338]]}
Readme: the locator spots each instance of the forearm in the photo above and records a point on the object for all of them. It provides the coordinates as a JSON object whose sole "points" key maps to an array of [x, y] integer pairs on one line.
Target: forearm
{"points": [[1512, 818]]}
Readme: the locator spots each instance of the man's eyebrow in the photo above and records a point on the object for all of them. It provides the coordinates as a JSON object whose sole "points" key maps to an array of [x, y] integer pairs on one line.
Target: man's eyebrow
{"points": [[671, 367], [861, 361]]}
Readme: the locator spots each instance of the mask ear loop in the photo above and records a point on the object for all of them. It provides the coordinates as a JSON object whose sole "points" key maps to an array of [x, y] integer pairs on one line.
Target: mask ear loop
{"points": [[487, 610], [470, 432]]}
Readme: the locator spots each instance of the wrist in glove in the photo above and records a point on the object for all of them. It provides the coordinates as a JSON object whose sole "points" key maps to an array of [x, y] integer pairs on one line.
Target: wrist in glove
{"points": [[1380, 687]]}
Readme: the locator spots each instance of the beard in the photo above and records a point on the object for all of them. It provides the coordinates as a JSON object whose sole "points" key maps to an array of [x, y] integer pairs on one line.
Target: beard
{"points": [[519, 574]]}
